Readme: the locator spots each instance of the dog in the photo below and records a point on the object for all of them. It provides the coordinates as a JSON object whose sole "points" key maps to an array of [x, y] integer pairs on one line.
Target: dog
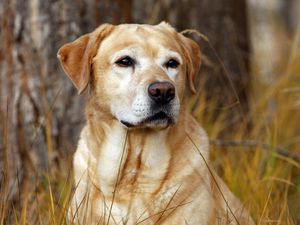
{"points": [[141, 157]]}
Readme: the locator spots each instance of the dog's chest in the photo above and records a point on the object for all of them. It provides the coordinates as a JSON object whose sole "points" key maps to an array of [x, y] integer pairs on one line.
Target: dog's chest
{"points": [[133, 173], [132, 164]]}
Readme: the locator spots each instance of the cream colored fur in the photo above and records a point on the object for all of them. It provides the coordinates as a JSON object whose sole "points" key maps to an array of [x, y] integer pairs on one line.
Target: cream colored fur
{"points": [[148, 172]]}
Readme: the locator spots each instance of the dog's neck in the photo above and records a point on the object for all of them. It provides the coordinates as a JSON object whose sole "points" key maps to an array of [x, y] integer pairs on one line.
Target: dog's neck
{"points": [[120, 152]]}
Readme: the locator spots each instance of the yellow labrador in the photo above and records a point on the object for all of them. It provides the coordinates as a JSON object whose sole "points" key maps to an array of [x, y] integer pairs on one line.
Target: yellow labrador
{"points": [[141, 156]]}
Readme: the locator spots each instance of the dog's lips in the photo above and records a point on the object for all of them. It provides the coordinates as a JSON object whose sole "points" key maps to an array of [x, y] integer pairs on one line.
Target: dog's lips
{"points": [[157, 116], [157, 119], [127, 124]]}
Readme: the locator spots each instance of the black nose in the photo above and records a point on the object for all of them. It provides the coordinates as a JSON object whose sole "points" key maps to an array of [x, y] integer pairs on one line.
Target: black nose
{"points": [[161, 92]]}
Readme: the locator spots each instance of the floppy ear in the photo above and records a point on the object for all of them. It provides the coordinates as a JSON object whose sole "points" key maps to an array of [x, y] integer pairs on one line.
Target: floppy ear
{"points": [[193, 56], [76, 57]]}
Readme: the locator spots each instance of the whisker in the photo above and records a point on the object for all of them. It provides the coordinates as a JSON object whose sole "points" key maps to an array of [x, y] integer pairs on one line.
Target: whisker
{"points": [[213, 177], [117, 180]]}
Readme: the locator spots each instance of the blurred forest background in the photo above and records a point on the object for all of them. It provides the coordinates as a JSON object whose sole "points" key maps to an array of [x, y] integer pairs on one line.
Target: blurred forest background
{"points": [[248, 98]]}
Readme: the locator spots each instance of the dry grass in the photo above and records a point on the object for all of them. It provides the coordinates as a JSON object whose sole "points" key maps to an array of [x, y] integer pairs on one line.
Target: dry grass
{"points": [[267, 182]]}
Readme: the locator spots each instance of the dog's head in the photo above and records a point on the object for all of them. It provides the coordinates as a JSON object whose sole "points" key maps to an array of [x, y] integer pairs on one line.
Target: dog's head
{"points": [[137, 73]]}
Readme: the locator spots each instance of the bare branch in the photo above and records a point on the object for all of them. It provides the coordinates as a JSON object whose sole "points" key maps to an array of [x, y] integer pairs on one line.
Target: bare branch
{"points": [[251, 144]]}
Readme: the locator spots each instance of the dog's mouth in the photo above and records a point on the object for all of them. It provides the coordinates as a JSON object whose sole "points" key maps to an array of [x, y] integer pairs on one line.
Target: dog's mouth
{"points": [[160, 119], [158, 116]]}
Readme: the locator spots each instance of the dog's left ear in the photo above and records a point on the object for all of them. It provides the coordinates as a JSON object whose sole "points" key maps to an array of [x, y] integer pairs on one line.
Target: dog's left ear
{"points": [[76, 57], [193, 56]]}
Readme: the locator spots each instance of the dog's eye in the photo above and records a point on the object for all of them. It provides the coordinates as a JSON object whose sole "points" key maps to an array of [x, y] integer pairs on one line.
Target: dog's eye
{"points": [[125, 62], [172, 63]]}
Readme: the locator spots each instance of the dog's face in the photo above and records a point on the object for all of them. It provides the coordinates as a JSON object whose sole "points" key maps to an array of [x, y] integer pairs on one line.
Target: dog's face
{"points": [[136, 72]]}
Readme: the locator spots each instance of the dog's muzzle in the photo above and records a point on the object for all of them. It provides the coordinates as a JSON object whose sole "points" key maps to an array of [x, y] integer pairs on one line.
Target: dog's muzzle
{"points": [[161, 111]]}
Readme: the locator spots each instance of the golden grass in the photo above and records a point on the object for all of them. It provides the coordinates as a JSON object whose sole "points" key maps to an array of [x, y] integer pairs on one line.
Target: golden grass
{"points": [[268, 183]]}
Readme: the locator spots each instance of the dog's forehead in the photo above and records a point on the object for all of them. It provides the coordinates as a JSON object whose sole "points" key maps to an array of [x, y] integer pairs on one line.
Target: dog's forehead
{"points": [[145, 36]]}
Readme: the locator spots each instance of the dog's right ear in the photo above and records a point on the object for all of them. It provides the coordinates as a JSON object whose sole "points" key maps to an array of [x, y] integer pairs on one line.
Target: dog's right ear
{"points": [[76, 57]]}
